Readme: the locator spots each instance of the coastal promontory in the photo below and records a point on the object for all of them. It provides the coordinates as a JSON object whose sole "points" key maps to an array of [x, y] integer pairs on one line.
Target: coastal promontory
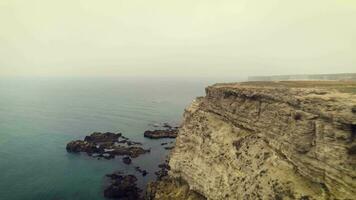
{"points": [[265, 140]]}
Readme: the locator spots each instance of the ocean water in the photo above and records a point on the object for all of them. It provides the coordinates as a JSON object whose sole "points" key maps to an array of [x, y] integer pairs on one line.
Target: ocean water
{"points": [[39, 116]]}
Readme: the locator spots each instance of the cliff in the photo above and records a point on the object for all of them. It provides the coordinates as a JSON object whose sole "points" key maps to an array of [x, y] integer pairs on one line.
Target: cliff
{"points": [[269, 140]]}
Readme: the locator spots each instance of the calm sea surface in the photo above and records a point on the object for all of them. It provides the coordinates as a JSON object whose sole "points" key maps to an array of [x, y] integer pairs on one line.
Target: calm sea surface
{"points": [[38, 116]]}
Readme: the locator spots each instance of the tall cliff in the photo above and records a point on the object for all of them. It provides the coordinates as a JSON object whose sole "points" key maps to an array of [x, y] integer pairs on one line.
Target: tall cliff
{"points": [[265, 140]]}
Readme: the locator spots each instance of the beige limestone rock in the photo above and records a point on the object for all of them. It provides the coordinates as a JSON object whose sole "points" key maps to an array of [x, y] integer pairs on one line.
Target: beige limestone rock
{"points": [[171, 189], [287, 140]]}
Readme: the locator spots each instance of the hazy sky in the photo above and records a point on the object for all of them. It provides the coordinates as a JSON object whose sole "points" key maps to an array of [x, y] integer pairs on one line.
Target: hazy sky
{"points": [[177, 37]]}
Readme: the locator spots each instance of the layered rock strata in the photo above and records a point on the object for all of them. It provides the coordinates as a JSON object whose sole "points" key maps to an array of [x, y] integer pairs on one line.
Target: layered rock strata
{"points": [[286, 140], [171, 189]]}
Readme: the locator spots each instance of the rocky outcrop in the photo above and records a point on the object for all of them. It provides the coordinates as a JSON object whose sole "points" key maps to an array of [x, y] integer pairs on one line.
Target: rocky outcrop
{"points": [[157, 134], [107, 145], [165, 131], [285, 140], [141, 171], [122, 187]]}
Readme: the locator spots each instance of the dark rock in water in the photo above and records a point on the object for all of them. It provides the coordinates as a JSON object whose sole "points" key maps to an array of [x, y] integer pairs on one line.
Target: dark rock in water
{"points": [[127, 141], [95, 143], [129, 151], [167, 131], [105, 145], [127, 160], [164, 166], [125, 138], [98, 137], [123, 187], [83, 146], [163, 172], [156, 134], [142, 171], [115, 175], [164, 143], [169, 148], [166, 125], [130, 143]]}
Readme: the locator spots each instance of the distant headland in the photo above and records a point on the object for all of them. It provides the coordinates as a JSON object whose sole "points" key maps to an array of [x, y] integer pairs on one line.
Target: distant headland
{"points": [[336, 77]]}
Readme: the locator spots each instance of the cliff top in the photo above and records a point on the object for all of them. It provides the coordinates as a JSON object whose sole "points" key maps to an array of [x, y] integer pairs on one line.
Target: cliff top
{"points": [[340, 86], [305, 77]]}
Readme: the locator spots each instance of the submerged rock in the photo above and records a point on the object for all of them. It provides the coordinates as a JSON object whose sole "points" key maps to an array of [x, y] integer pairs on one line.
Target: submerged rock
{"points": [[114, 175], [127, 160], [130, 143], [168, 126], [142, 171], [122, 187]]}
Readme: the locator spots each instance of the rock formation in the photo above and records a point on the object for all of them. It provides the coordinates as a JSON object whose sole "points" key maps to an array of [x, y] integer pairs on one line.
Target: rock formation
{"points": [[106, 145], [122, 187], [141, 171], [267, 140], [157, 134]]}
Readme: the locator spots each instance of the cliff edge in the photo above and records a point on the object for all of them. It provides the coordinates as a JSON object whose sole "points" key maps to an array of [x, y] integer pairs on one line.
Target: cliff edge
{"points": [[269, 140]]}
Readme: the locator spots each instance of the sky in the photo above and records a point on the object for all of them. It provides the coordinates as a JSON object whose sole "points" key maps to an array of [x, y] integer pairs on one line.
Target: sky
{"points": [[176, 37]]}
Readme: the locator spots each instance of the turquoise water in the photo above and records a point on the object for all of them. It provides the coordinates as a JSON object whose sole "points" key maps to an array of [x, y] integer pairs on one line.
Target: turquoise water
{"points": [[38, 116]]}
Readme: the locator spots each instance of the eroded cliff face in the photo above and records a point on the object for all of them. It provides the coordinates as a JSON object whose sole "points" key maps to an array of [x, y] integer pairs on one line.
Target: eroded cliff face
{"points": [[256, 141]]}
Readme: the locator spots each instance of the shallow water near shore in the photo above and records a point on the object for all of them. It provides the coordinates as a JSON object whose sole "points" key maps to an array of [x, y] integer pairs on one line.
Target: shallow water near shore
{"points": [[38, 116]]}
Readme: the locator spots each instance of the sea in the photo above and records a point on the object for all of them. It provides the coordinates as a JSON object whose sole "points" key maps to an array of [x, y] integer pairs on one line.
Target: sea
{"points": [[40, 115]]}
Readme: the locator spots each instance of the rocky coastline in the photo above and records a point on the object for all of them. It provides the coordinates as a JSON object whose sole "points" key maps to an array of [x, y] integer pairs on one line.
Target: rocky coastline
{"points": [[110, 145], [254, 140]]}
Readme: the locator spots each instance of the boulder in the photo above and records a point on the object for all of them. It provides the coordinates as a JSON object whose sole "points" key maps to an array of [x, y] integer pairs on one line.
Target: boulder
{"points": [[127, 160]]}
